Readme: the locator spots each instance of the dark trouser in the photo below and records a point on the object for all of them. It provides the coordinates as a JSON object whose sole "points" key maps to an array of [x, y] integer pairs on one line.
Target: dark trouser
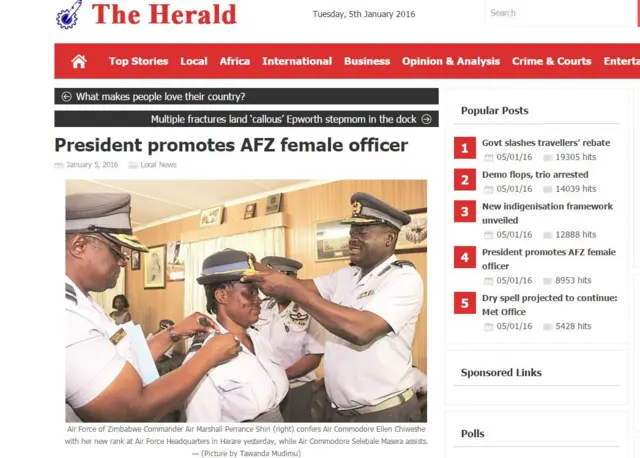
{"points": [[296, 406], [403, 413], [271, 416]]}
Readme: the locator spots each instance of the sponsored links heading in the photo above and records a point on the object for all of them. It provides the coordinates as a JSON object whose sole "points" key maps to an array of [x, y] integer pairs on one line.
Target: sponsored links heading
{"points": [[248, 144]]}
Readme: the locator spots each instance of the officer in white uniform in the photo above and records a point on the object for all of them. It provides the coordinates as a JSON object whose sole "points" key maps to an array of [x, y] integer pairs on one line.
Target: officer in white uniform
{"points": [[103, 380], [251, 387], [371, 309], [298, 342]]}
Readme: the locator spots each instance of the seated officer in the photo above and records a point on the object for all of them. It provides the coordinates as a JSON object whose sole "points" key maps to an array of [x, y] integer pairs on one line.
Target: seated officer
{"points": [[370, 310], [103, 381], [298, 342], [251, 387]]}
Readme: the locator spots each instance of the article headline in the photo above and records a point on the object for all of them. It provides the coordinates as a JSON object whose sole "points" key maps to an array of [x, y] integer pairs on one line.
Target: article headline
{"points": [[248, 144]]}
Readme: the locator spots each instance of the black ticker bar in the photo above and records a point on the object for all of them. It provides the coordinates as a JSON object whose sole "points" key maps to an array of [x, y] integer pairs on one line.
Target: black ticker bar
{"points": [[246, 96], [139, 118]]}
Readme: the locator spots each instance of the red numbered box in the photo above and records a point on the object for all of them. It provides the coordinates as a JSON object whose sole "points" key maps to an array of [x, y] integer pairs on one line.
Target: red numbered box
{"points": [[464, 257], [464, 211], [464, 179], [464, 147], [464, 303]]}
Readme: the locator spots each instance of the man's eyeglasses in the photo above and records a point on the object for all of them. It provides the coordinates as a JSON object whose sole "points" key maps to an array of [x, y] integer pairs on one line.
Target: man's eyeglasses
{"points": [[118, 255]]}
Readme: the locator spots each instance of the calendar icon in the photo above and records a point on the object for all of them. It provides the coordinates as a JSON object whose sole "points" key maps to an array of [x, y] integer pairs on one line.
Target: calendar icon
{"points": [[488, 189], [488, 327], [488, 157], [488, 281], [488, 235]]}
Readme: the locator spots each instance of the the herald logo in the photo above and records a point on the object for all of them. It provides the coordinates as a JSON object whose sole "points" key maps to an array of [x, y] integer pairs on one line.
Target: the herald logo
{"points": [[67, 19], [163, 13], [158, 13]]}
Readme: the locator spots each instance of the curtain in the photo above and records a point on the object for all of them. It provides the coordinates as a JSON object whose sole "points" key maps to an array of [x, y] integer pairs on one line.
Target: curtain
{"points": [[105, 298], [268, 242]]}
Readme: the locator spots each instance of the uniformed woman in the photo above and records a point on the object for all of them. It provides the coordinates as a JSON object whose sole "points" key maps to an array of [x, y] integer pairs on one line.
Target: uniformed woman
{"points": [[298, 342], [103, 372], [250, 387]]}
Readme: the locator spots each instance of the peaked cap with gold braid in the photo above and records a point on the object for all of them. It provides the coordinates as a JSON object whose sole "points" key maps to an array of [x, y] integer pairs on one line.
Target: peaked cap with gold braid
{"points": [[227, 265], [108, 214], [367, 209]]}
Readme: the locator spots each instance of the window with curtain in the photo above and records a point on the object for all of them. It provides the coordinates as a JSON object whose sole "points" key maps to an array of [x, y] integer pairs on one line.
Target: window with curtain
{"points": [[268, 242]]}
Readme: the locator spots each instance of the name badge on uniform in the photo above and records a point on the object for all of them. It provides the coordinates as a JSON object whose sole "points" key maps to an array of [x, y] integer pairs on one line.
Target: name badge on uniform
{"points": [[118, 336], [371, 292]]}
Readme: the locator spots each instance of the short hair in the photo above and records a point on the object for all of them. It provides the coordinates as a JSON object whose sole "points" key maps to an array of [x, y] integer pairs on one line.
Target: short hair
{"points": [[165, 323], [124, 299], [210, 293], [393, 230]]}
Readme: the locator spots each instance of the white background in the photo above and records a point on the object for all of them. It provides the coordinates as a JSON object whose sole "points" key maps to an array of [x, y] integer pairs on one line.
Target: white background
{"points": [[33, 329]]}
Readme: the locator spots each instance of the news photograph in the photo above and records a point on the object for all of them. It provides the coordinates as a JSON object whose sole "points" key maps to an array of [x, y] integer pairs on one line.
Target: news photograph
{"points": [[234, 301]]}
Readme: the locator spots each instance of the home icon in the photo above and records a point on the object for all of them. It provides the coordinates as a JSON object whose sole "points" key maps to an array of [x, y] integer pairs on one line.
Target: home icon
{"points": [[79, 61]]}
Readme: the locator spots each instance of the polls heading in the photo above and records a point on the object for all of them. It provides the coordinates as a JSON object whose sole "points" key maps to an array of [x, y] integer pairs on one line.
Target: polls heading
{"points": [[165, 13]]}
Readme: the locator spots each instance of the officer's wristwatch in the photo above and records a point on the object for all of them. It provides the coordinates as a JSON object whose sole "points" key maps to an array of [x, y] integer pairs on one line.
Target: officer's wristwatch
{"points": [[172, 334]]}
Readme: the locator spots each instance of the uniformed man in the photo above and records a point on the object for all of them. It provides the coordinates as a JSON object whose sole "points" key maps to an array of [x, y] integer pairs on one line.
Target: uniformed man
{"points": [[371, 309], [103, 380], [298, 342]]}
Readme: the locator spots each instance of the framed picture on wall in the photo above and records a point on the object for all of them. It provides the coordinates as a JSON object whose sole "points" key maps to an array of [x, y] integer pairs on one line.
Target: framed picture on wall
{"points": [[155, 262], [211, 216], [273, 203], [135, 260], [250, 211], [175, 261], [413, 236], [332, 240]]}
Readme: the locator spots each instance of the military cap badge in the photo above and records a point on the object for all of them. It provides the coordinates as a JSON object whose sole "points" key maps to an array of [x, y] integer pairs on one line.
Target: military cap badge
{"points": [[356, 208]]}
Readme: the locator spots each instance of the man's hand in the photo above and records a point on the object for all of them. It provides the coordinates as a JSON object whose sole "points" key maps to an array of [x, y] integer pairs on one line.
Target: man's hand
{"points": [[194, 323], [276, 284], [222, 348]]}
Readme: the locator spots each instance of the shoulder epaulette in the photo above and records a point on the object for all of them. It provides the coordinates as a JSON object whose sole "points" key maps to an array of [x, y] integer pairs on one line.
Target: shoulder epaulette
{"points": [[70, 293], [400, 264], [403, 263], [197, 343]]}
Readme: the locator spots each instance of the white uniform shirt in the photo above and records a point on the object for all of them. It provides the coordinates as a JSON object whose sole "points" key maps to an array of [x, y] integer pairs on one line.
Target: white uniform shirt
{"points": [[292, 334], [358, 376], [92, 361], [240, 389]]}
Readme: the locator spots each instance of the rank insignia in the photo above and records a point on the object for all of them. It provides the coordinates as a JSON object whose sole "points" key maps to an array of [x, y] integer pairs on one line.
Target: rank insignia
{"points": [[356, 208], [298, 316], [118, 336]]}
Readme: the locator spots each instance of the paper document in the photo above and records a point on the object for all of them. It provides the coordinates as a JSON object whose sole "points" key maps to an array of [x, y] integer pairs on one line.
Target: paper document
{"points": [[140, 348]]}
